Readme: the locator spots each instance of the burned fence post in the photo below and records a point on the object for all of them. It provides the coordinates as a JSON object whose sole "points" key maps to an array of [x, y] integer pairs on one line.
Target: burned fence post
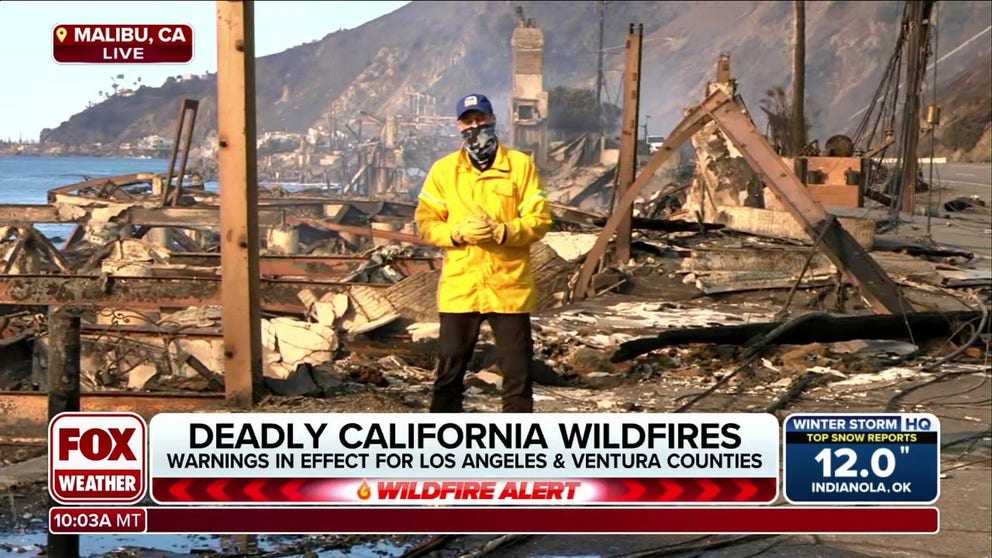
{"points": [[64, 348], [64, 326]]}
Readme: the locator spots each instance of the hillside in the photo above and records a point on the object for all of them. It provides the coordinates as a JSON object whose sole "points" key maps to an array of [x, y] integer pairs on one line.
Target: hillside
{"points": [[449, 52], [965, 131]]}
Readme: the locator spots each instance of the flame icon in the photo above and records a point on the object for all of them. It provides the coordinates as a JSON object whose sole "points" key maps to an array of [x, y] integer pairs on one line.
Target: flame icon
{"points": [[363, 491]]}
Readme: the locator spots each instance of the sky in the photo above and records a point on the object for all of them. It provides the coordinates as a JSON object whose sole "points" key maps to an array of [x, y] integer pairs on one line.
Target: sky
{"points": [[38, 92]]}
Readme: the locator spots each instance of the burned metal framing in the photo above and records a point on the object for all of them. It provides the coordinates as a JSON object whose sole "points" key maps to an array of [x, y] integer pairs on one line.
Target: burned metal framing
{"points": [[837, 243]]}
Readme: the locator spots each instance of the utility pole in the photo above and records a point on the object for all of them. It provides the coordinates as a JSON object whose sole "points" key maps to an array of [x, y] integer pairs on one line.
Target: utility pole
{"points": [[799, 80], [601, 5], [916, 60]]}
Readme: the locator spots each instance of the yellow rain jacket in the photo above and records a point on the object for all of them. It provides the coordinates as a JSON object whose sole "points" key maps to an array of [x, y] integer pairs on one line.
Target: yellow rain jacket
{"points": [[487, 277]]}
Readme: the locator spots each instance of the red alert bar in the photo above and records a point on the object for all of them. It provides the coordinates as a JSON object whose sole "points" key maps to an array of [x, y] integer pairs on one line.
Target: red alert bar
{"points": [[499, 520], [122, 44]]}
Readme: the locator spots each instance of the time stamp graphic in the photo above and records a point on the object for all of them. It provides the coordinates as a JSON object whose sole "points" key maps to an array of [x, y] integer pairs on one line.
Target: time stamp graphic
{"points": [[122, 44], [862, 459]]}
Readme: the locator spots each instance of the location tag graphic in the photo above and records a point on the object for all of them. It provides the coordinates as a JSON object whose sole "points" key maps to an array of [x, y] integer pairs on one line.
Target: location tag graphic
{"points": [[122, 43]]}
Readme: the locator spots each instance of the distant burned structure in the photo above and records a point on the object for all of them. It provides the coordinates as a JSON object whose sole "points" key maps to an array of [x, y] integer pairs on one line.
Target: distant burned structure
{"points": [[529, 122]]}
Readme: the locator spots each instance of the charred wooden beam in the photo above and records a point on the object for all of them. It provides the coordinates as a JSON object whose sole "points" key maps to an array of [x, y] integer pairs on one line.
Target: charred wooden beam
{"points": [[844, 251], [369, 207], [594, 187], [918, 326], [31, 213], [48, 248], [184, 241], [150, 292], [334, 265], [25, 414], [140, 331], [101, 183], [15, 253], [691, 124], [208, 216], [191, 217], [837, 243], [569, 214], [362, 231], [665, 225]]}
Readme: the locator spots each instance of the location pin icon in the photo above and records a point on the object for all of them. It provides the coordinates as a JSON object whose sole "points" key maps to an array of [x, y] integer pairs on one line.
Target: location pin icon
{"points": [[61, 33]]}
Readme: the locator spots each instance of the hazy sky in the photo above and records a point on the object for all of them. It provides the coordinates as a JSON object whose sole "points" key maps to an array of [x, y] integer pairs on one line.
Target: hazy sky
{"points": [[36, 92]]}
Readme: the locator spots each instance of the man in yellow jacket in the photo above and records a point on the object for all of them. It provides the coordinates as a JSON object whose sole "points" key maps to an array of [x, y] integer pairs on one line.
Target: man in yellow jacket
{"points": [[485, 205]]}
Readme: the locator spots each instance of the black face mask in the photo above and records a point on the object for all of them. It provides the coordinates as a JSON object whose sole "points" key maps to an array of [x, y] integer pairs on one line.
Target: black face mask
{"points": [[481, 143]]}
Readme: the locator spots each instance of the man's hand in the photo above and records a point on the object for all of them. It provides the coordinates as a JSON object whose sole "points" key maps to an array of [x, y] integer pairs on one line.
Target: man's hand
{"points": [[498, 229], [473, 231]]}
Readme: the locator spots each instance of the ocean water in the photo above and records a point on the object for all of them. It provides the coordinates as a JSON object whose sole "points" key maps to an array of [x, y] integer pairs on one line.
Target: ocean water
{"points": [[27, 179]]}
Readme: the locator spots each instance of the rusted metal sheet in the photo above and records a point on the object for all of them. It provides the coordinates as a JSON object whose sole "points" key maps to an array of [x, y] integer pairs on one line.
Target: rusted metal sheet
{"points": [[315, 266], [278, 295], [208, 216], [24, 415]]}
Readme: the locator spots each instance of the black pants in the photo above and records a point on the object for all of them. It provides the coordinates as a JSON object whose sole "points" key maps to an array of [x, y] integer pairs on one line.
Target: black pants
{"points": [[514, 350]]}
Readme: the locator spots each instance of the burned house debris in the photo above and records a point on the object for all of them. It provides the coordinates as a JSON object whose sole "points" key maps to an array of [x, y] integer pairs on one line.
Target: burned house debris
{"points": [[658, 270]]}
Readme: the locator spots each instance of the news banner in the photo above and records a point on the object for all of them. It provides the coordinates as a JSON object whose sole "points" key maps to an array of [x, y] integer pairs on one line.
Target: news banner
{"points": [[295, 473]]}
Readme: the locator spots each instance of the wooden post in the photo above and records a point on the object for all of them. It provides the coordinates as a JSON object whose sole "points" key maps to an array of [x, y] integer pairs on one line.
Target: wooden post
{"points": [[600, 82], [64, 347], [916, 59], [627, 165], [799, 81], [240, 294], [158, 235]]}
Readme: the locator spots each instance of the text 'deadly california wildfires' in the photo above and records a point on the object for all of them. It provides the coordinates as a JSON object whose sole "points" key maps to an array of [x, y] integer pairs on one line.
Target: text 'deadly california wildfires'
{"points": [[398, 458]]}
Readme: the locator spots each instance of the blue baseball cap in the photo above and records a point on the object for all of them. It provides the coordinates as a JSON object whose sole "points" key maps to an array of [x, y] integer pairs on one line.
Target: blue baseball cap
{"points": [[475, 101]]}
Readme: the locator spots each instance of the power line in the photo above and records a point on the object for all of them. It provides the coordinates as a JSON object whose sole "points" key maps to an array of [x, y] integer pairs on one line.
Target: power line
{"points": [[934, 64]]}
